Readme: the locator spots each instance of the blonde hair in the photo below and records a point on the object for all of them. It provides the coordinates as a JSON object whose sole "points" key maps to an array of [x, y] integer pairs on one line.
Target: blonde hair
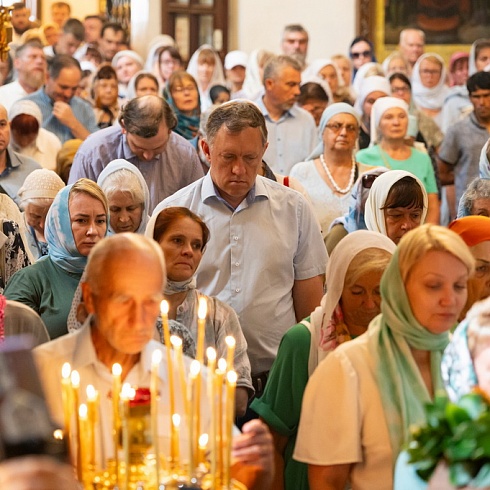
{"points": [[428, 238], [206, 56], [87, 186], [368, 261]]}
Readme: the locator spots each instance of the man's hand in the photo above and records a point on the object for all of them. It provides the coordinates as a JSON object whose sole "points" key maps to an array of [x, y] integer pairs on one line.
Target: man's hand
{"points": [[36, 472], [62, 111], [253, 456]]}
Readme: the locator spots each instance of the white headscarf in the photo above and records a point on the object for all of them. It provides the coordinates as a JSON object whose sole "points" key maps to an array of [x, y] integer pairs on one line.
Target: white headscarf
{"points": [[217, 78], [253, 85], [360, 75], [337, 266], [370, 85], [313, 70], [429, 98], [374, 215], [472, 60], [377, 111], [157, 44], [120, 164], [131, 92]]}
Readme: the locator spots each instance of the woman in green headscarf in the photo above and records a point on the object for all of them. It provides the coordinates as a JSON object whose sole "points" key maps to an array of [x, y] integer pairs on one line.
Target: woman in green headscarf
{"points": [[360, 401]]}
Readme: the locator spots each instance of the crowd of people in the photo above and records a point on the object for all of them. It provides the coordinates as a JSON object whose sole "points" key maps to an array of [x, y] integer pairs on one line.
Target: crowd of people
{"points": [[333, 213]]}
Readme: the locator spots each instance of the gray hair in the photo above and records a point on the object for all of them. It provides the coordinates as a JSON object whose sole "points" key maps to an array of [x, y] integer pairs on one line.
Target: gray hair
{"points": [[123, 180], [142, 116], [404, 33], [294, 28], [478, 189], [236, 116], [276, 64]]}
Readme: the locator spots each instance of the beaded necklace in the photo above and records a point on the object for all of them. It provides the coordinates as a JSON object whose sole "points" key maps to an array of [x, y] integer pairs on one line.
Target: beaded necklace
{"points": [[345, 190]]}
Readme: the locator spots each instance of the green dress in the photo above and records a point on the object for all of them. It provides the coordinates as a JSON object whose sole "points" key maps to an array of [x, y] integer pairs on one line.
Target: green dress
{"points": [[47, 289], [280, 404]]}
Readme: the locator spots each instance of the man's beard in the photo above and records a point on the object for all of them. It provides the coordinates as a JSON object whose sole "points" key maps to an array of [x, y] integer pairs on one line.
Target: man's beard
{"points": [[300, 58], [35, 79]]}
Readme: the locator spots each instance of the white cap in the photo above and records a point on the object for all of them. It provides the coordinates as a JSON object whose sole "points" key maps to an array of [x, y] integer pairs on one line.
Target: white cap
{"points": [[236, 58]]}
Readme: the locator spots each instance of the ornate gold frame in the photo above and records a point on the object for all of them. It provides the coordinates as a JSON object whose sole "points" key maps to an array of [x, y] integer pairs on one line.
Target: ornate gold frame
{"points": [[371, 23]]}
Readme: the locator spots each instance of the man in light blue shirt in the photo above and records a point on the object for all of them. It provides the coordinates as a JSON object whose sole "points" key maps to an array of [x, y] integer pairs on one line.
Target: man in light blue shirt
{"points": [[265, 257], [64, 114], [292, 130]]}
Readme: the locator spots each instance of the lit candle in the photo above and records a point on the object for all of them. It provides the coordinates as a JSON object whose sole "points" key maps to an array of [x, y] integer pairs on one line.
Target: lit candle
{"points": [[219, 414], [83, 449], [116, 389], [230, 351], [67, 401], [170, 368], [211, 355], [203, 444], [175, 439], [75, 387], [127, 393], [231, 379], [195, 373], [155, 366], [201, 326], [92, 416], [179, 359]]}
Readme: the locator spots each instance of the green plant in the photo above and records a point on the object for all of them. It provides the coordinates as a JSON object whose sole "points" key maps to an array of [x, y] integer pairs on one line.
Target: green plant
{"points": [[458, 434]]}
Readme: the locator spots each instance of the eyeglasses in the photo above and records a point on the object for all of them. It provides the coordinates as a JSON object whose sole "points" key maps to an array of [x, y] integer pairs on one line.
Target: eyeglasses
{"points": [[367, 180], [337, 127], [187, 88], [400, 90], [364, 54]]}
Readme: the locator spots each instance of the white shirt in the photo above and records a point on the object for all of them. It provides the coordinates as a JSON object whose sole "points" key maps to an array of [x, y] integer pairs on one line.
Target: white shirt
{"points": [[10, 93], [254, 255]]}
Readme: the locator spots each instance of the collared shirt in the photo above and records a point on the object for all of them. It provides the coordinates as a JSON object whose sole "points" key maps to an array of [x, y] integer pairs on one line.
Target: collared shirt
{"points": [[254, 255], [14, 175], [82, 110], [78, 349], [44, 150], [10, 93], [461, 148], [291, 138], [165, 174]]}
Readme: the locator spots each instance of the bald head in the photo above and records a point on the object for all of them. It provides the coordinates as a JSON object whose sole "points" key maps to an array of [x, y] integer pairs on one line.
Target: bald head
{"points": [[113, 253]]}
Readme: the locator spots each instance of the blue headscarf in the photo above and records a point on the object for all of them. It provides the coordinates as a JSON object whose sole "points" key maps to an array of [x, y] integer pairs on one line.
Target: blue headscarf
{"points": [[328, 113], [59, 236]]}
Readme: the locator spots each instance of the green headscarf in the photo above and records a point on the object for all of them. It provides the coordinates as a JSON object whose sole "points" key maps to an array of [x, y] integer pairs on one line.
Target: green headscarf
{"points": [[391, 334]]}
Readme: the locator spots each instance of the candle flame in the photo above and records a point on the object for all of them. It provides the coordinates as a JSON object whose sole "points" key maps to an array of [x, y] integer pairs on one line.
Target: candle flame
{"points": [[176, 420], [66, 370], [211, 353], [75, 379], [164, 307], [203, 441], [91, 393], [203, 308], [116, 369], [231, 377], [230, 341], [195, 368], [58, 434], [126, 391], [176, 341], [83, 411], [156, 357], [132, 393], [222, 364]]}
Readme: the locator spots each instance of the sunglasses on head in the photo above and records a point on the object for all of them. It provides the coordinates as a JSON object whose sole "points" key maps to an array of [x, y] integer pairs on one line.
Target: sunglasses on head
{"points": [[364, 54], [367, 181]]}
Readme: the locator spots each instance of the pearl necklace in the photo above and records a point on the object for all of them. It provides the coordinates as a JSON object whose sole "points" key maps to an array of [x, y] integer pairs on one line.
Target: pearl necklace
{"points": [[345, 190]]}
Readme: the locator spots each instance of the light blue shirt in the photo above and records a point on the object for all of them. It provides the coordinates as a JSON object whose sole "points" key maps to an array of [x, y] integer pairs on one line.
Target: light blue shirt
{"points": [[291, 138], [12, 178], [254, 255], [81, 109]]}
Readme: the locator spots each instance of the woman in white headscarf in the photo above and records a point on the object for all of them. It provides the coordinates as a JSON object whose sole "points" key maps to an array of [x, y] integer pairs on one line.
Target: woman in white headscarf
{"points": [[331, 170], [371, 90], [479, 56], [327, 70], [143, 83], [389, 125], [206, 67], [365, 71], [429, 88], [396, 204], [352, 300]]}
